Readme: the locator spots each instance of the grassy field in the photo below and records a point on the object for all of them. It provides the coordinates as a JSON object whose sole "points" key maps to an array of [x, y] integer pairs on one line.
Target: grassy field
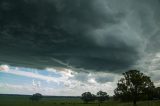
{"points": [[8, 100]]}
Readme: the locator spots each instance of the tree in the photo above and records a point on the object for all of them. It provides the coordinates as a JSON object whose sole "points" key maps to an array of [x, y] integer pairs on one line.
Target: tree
{"points": [[88, 97], [156, 93], [132, 85], [36, 97], [102, 96], [149, 93]]}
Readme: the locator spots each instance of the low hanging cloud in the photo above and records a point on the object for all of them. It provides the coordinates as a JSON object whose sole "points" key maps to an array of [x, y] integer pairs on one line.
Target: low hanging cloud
{"points": [[93, 35], [100, 78]]}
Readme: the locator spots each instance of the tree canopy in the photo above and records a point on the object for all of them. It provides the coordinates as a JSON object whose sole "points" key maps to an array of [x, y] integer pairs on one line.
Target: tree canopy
{"points": [[102, 96], [88, 97], [36, 97], [132, 85]]}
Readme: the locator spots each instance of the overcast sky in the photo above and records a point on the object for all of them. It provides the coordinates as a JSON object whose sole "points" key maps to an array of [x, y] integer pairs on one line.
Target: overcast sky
{"points": [[66, 47]]}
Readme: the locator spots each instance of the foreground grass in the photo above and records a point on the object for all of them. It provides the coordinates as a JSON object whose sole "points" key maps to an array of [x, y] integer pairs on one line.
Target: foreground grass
{"points": [[24, 101]]}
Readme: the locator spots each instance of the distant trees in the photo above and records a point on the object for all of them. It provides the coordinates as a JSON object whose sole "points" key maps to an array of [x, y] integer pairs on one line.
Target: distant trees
{"points": [[102, 96], [132, 85], [36, 97], [156, 93], [89, 97]]}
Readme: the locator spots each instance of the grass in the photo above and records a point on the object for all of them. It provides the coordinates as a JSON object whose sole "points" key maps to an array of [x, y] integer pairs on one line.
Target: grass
{"points": [[8, 100]]}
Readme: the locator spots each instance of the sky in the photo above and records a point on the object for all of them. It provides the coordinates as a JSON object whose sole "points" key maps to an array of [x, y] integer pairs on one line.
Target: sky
{"points": [[67, 47]]}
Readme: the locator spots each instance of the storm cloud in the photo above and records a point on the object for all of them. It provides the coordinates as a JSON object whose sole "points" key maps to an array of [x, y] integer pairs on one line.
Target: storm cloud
{"points": [[97, 35]]}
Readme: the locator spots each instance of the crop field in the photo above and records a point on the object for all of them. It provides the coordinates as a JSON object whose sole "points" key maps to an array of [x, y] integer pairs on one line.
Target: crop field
{"points": [[13, 100]]}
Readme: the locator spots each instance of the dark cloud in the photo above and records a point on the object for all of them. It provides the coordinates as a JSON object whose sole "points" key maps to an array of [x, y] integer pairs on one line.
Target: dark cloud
{"points": [[104, 79], [106, 35], [83, 77]]}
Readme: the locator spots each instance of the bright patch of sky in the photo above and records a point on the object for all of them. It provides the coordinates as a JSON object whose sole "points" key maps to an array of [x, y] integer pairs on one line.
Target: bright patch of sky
{"points": [[51, 81]]}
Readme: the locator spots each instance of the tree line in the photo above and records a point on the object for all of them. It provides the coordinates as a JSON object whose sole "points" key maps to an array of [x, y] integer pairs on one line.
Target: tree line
{"points": [[89, 97], [133, 86]]}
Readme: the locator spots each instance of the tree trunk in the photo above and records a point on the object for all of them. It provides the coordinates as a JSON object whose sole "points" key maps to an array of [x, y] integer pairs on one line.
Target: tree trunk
{"points": [[134, 102], [135, 97]]}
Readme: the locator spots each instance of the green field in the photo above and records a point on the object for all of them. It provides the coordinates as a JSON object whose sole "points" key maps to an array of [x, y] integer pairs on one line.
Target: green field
{"points": [[13, 100]]}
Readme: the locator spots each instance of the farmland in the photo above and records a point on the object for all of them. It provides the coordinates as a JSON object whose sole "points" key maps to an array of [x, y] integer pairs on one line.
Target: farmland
{"points": [[23, 100]]}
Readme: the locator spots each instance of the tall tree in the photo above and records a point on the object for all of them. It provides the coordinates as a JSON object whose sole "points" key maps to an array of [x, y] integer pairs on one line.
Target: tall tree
{"points": [[132, 85]]}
